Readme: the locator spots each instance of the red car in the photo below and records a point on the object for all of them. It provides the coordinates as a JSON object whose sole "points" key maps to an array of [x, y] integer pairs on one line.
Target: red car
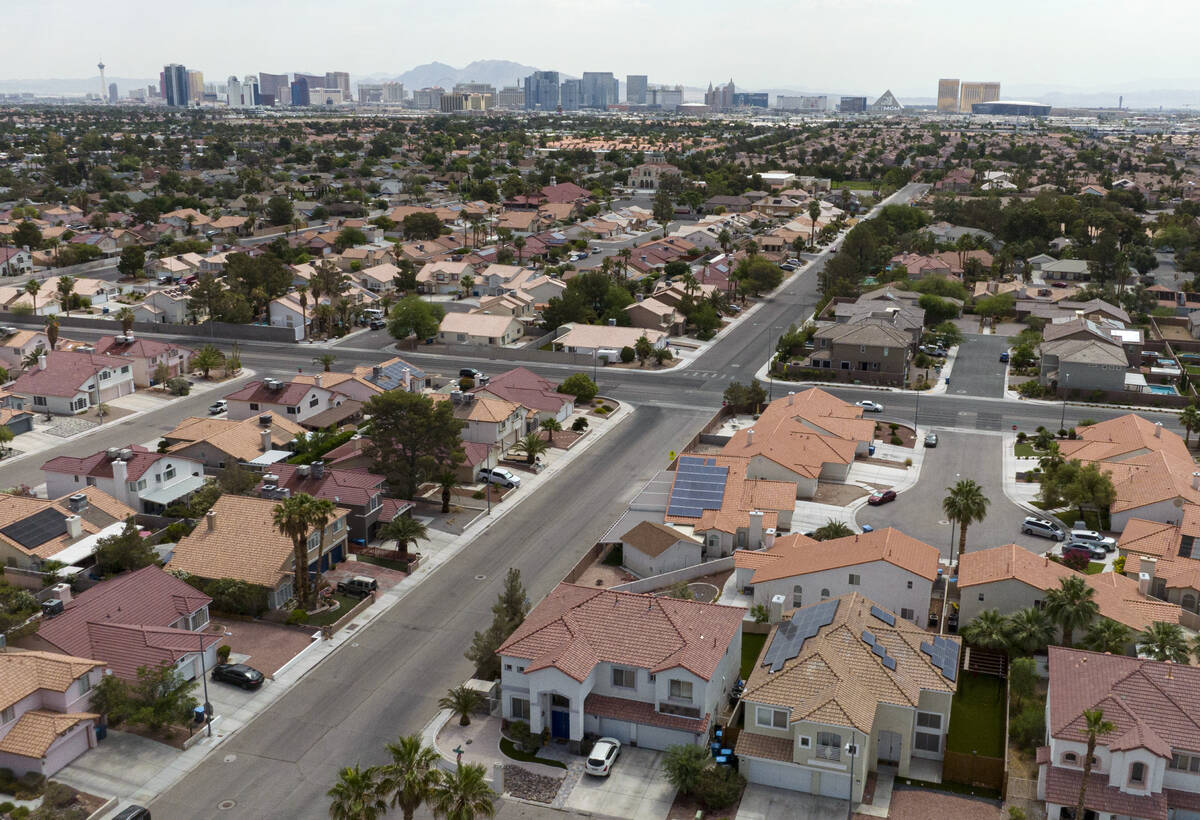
{"points": [[881, 497], [1060, 284]]}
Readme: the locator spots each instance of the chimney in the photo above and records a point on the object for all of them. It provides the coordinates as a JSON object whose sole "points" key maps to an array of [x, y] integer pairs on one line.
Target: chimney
{"points": [[768, 538], [211, 518], [1196, 481], [791, 397], [749, 436], [62, 592], [120, 474], [265, 440], [319, 380], [755, 537], [775, 609], [74, 526], [42, 362], [1158, 429]]}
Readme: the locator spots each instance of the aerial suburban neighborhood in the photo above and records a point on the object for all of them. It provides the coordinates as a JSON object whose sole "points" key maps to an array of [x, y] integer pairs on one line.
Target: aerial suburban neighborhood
{"points": [[517, 444]]}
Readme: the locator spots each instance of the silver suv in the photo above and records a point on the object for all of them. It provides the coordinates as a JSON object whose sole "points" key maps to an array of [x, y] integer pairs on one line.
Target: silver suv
{"points": [[1094, 538], [1032, 525]]}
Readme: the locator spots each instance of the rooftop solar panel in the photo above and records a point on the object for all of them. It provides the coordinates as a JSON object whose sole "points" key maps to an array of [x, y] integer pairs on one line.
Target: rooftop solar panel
{"points": [[699, 485], [883, 615], [879, 649], [868, 638], [791, 634], [890, 663], [943, 654], [38, 528]]}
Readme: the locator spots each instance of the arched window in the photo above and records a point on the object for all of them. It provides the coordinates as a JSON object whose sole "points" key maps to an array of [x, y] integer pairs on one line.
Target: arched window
{"points": [[1137, 772], [824, 594], [1070, 758]]}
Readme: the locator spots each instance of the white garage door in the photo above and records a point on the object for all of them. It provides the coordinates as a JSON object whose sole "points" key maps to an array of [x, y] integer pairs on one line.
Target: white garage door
{"points": [[774, 773], [615, 728], [835, 785], [653, 737]]}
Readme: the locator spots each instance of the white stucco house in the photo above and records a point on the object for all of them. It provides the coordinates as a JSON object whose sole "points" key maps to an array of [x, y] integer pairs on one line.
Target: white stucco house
{"points": [[652, 549], [146, 481], [64, 383]]}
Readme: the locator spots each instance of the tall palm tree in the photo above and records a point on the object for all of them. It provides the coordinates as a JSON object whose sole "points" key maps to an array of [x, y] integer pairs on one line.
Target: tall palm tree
{"points": [[293, 520], [411, 776], [814, 212], [52, 330], [988, 629], [1107, 635], [66, 288], [32, 286], [446, 481], [126, 317], [302, 297], [1030, 630], [356, 795], [551, 426], [321, 511], [1096, 726], [519, 244], [463, 795], [1072, 606], [1189, 419], [1164, 642], [461, 701], [965, 505], [404, 530]]}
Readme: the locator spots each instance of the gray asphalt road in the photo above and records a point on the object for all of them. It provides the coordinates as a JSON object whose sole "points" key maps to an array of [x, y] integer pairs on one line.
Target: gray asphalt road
{"points": [[978, 370], [918, 511]]}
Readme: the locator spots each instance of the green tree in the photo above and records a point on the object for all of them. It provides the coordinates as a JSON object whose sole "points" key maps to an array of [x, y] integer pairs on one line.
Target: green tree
{"points": [[349, 237], [161, 697], [1096, 726], [51, 324], [27, 235], [279, 210], [463, 794], [124, 552], [643, 348], [550, 426], [321, 511], [293, 518], [814, 213], [133, 262], [1072, 606], [965, 505], [832, 529], [988, 629], [1022, 680], [111, 699], [326, 361], [461, 701], [949, 333], [1107, 635], [756, 274], [206, 359], [412, 316], [1030, 630], [1164, 641], [1189, 419], [937, 309], [422, 225], [683, 766], [410, 776], [532, 445], [745, 398], [1090, 488], [664, 208], [356, 795], [126, 317], [66, 289], [404, 530], [412, 438], [32, 286], [579, 386], [508, 612]]}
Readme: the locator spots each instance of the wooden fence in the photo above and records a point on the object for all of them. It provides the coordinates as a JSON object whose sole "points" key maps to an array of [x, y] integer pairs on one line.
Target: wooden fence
{"points": [[973, 770]]}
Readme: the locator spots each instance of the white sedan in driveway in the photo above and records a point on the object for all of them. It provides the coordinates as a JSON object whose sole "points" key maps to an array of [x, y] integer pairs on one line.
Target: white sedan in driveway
{"points": [[870, 406], [603, 755]]}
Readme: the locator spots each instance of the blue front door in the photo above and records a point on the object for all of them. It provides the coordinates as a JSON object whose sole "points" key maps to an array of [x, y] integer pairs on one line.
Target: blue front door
{"points": [[560, 724]]}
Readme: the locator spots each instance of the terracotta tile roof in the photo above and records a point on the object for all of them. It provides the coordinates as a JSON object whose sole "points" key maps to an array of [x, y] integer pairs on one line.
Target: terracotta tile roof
{"points": [[1117, 595], [352, 487], [1062, 787], [836, 678], [241, 440], [256, 391], [799, 555], [36, 730], [23, 673], [103, 510], [98, 465], [526, 388], [139, 348], [741, 497], [764, 746], [638, 711], [243, 545], [65, 373], [1164, 543], [574, 628], [653, 539]]}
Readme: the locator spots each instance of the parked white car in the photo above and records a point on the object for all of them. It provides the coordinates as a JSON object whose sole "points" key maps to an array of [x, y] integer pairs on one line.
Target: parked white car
{"points": [[870, 406], [499, 476], [602, 757]]}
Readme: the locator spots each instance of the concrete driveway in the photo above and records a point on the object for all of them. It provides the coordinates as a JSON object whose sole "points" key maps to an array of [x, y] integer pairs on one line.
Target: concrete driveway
{"points": [[770, 803], [918, 511], [636, 787], [119, 766], [978, 370]]}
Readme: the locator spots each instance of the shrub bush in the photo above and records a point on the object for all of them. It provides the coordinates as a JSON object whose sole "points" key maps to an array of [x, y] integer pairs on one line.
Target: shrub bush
{"points": [[297, 616], [477, 495], [628, 354], [178, 386], [1119, 565], [6, 807], [223, 652], [1021, 438], [896, 440], [579, 425], [58, 796], [908, 462], [1028, 728], [719, 787], [1076, 562]]}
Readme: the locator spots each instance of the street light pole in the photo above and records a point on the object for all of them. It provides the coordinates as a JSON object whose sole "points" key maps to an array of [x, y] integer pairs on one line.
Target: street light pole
{"points": [[204, 678], [1062, 422]]}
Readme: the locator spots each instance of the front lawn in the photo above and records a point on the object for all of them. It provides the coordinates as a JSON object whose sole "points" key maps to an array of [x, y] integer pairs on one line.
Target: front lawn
{"points": [[1094, 567], [977, 716], [751, 648], [510, 750], [345, 604], [1024, 449]]}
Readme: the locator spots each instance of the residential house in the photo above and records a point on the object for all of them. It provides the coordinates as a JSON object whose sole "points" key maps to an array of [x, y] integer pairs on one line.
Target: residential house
{"points": [[516, 304], [65, 383], [347, 384], [885, 565], [539, 396], [651, 314], [19, 346], [571, 668], [651, 548], [219, 443], [1148, 766], [495, 278], [379, 278], [443, 277], [488, 420], [148, 357], [846, 675], [731, 510], [869, 350], [1012, 578], [604, 340], [147, 617], [293, 400], [958, 180], [543, 288], [15, 261], [146, 481], [901, 315], [1103, 329], [1083, 364], [393, 374], [1066, 270], [238, 539], [358, 491], [44, 719], [480, 329], [65, 529], [1163, 558], [163, 306]]}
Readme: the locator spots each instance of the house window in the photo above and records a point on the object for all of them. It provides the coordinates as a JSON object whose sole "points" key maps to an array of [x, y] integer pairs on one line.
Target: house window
{"points": [[681, 690], [293, 410], [906, 614], [1070, 758], [520, 708], [981, 596], [39, 401], [314, 540], [824, 594], [885, 351], [926, 742], [805, 742], [85, 683], [1137, 773], [855, 580], [829, 746], [624, 678], [929, 720], [770, 718], [797, 595], [105, 375], [125, 369], [845, 365], [8, 714], [862, 348], [169, 473], [314, 401], [132, 486], [253, 405], [337, 525], [508, 667], [910, 584]]}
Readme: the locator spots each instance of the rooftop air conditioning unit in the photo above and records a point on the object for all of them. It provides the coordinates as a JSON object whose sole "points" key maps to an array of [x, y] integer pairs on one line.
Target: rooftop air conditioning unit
{"points": [[112, 453], [268, 491], [303, 470], [126, 454], [271, 478]]}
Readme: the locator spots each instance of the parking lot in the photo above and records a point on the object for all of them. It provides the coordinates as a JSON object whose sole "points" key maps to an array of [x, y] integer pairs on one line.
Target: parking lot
{"points": [[978, 370]]}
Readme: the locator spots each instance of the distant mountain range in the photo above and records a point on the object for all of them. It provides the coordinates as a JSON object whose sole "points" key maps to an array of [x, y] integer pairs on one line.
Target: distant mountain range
{"points": [[495, 72], [72, 87]]}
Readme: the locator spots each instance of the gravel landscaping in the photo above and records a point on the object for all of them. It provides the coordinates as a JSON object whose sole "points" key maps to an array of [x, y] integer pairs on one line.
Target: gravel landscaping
{"points": [[526, 785]]}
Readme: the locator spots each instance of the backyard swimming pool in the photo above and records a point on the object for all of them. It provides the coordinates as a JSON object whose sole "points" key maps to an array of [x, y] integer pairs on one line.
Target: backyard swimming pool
{"points": [[1163, 390]]}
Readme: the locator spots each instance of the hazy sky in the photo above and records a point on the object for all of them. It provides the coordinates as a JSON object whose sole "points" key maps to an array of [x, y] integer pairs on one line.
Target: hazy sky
{"points": [[834, 45]]}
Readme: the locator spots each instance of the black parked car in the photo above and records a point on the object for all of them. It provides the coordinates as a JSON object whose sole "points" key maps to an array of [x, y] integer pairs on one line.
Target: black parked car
{"points": [[238, 674]]}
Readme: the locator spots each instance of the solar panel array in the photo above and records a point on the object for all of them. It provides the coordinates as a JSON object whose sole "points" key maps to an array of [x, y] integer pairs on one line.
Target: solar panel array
{"points": [[38, 528], [883, 615], [699, 486], [790, 636], [943, 653], [868, 638]]}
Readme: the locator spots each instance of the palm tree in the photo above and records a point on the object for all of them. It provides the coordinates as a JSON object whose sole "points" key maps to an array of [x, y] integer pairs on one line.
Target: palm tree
{"points": [[447, 481], [1072, 606], [1164, 642], [32, 286], [532, 445], [356, 795], [519, 244], [461, 701], [66, 288], [1190, 420], [321, 512], [412, 775], [32, 357], [404, 530], [463, 794], [1096, 726], [832, 529], [814, 212], [1030, 630], [206, 359], [965, 505], [326, 361], [292, 519], [302, 296], [126, 317], [551, 426], [988, 630], [52, 330], [724, 239], [1107, 635]]}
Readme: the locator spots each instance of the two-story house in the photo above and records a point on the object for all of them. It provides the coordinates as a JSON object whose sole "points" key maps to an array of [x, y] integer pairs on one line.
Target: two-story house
{"points": [[443, 277], [573, 667], [359, 491], [238, 539], [295, 401], [487, 420], [153, 361], [885, 565], [841, 688], [44, 717], [1164, 558], [217, 443], [17, 347], [1149, 765], [64, 383], [539, 396], [871, 351], [163, 306], [146, 481]]}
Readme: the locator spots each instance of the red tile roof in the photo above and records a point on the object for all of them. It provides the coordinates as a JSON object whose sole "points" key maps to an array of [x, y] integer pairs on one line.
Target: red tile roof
{"points": [[290, 394], [98, 465], [65, 373], [637, 711], [139, 348], [348, 486], [527, 388], [1062, 788], [574, 628]]}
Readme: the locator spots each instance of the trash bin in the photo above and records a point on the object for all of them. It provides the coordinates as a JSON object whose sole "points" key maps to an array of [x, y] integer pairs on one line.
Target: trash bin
{"points": [[870, 449], [198, 714], [101, 732]]}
